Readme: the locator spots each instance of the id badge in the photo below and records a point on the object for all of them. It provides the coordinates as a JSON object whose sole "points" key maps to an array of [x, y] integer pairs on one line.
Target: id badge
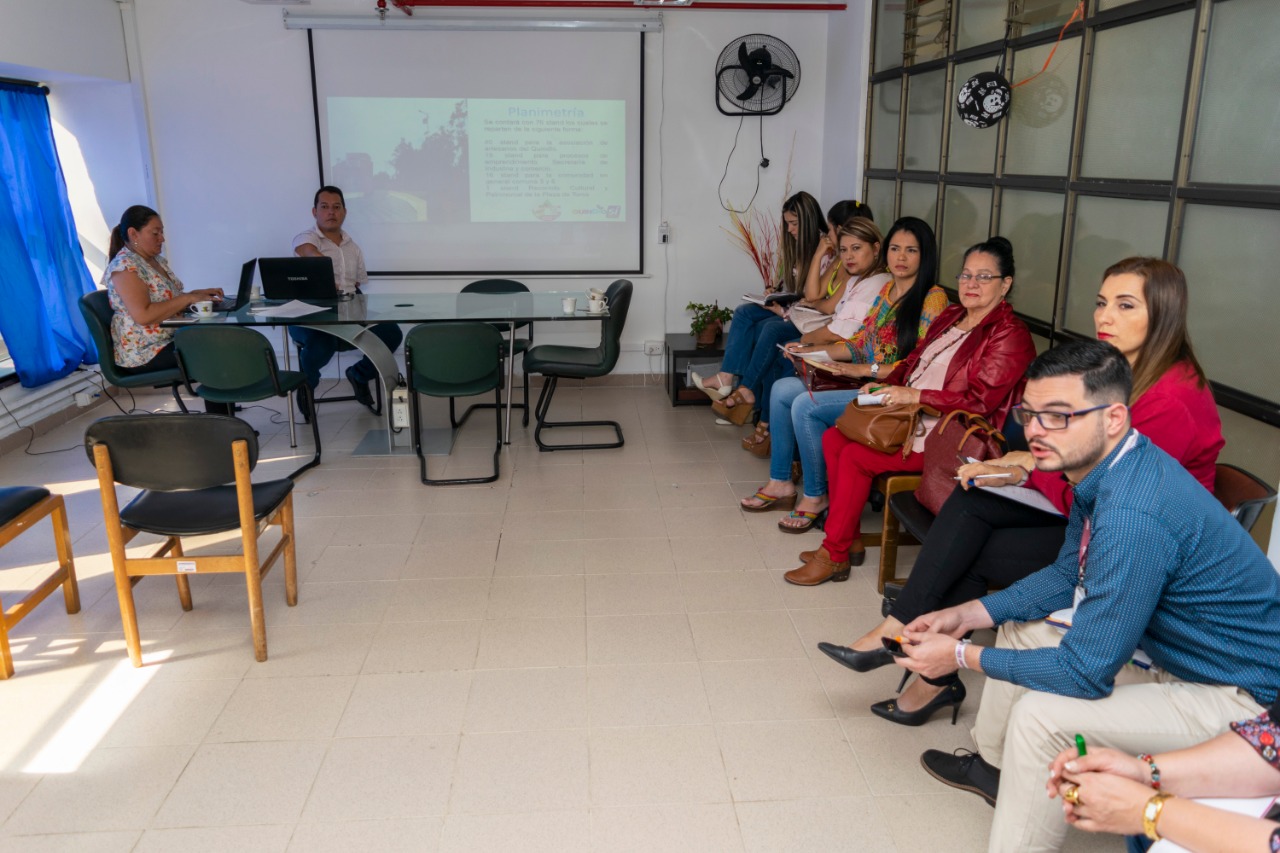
{"points": [[1079, 596]]}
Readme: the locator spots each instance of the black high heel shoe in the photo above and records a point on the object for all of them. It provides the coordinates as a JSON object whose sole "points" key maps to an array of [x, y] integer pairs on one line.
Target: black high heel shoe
{"points": [[856, 660], [953, 694]]}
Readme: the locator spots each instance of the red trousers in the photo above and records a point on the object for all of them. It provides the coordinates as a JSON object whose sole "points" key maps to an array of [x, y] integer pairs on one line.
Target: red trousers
{"points": [[851, 468]]}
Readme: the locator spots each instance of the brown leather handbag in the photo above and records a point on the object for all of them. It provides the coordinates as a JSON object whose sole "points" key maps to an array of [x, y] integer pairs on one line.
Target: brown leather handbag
{"points": [[959, 435], [889, 429]]}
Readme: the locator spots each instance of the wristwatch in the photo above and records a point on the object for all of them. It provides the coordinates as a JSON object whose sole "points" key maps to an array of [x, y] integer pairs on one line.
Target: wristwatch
{"points": [[875, 370], [1151, 814]]}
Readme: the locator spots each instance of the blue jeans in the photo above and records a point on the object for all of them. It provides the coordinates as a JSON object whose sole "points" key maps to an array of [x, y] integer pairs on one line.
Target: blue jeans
{"points": [[749, 320], [797, 422], [768, 364], [316, 348]]}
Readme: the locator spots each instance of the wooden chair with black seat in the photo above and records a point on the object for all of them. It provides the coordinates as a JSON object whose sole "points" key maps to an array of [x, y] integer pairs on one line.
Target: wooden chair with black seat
{"points": [[509, 348], [902, 512], [453, 360], [557, 362], [96, 309], [194, 472], [1243, 494], [21, 507], [237, 365]]}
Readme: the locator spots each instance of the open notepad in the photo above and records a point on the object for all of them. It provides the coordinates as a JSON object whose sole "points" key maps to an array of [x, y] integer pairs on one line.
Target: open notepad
{"points": [[1256, 807]]}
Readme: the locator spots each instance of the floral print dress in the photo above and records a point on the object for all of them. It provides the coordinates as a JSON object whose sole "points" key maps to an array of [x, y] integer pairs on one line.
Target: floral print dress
{"points": [[135, 343]]}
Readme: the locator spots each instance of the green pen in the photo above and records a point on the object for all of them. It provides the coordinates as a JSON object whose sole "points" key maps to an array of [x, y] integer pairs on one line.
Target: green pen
{"points": [[1080, 745]]}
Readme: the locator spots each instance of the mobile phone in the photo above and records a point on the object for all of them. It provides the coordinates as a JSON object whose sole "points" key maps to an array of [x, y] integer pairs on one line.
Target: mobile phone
{"points": [[894, 645]]}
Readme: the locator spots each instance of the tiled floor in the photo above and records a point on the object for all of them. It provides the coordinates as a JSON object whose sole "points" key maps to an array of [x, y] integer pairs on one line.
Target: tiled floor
{"points": [[598, 652]]}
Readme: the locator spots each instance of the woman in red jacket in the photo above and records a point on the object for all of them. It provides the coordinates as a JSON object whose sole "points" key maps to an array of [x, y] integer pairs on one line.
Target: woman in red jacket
{"points": [[973, 358], [979, 540]]}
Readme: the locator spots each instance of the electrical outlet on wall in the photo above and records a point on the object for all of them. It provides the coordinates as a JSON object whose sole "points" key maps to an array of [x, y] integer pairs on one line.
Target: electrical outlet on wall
{"points": [[400, 408], [653, 347]]}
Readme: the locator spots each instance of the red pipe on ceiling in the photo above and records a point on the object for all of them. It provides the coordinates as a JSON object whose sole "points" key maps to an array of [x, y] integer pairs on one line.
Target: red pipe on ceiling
{"points": [[406, 6]]}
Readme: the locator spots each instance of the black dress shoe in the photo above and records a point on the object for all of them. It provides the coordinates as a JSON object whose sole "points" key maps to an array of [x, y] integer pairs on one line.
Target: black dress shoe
{"points": [[964, 770], [359, 388], [952, 695], [854, 659]]}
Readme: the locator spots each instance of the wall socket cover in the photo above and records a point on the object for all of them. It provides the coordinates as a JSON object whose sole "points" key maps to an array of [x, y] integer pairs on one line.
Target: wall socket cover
{"points": [[653, 347]]}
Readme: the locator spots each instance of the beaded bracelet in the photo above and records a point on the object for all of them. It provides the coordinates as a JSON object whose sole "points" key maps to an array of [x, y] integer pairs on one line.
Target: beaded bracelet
{"points": [[1155, 771], [960, 661]]}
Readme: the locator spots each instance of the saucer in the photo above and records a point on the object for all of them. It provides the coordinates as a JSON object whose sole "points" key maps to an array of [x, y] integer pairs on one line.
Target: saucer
{"points": [[596, 313]]}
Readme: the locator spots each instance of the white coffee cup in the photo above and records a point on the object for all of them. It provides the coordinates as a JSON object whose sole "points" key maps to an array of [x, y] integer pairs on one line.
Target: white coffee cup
{"points": [[597, 304], [205, 308], [595, 293], [569, 304]]}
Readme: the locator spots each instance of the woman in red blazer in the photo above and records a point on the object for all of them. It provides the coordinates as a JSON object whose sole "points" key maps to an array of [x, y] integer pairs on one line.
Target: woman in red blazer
{"points": [[972, 358]]}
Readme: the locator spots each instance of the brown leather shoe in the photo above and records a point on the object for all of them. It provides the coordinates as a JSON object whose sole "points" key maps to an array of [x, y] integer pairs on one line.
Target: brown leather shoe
{"points": [[819, 570], [857, 553]]}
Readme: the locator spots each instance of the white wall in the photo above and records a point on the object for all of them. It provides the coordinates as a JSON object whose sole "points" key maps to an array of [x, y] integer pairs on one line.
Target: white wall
{"points": [[843, 139], [229, 97], [54, 38]]}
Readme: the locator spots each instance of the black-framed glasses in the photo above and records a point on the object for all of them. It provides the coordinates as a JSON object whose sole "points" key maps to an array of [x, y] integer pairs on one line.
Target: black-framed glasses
{"points": [[980, 278], [1051, 420]]}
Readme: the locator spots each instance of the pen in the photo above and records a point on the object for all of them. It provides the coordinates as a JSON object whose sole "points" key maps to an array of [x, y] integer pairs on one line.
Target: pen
{"points": [[981, 477], [875, 390], [1080, 745]]}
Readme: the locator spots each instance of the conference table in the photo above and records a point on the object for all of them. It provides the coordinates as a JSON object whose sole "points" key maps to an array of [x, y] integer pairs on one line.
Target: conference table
{"points": [[348, 319]]}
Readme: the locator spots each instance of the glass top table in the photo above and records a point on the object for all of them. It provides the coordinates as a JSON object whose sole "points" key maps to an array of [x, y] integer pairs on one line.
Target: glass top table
{"points": [[348, 318]]}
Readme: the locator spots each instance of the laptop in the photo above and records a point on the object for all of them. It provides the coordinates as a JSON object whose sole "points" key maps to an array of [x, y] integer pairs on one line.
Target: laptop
{"points": [[306, 279], [226, 306]]}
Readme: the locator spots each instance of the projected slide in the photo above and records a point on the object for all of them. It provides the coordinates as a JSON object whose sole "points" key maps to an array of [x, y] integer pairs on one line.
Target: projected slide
{"points": [[447, 160], [505, 153]]}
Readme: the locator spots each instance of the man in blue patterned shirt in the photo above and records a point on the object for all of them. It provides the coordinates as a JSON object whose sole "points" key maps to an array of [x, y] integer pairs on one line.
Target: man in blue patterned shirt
{"points": [[1152, 562]]}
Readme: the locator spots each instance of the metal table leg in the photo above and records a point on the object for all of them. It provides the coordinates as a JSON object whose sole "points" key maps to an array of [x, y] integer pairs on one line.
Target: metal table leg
{"points": [[511, 388], [288, 409]]}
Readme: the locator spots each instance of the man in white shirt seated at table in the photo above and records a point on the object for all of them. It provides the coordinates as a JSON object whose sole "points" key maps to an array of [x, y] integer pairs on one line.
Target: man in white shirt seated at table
{"points": [[316, 348]]}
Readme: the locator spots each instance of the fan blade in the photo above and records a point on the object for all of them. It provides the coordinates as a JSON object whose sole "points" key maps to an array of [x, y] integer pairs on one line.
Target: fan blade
{"points": [[744, 58], [749, 92], [775, 71]]}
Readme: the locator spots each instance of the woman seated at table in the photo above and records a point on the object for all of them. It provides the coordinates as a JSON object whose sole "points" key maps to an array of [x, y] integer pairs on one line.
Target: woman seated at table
{"points": [[756, 330], [900, 312], [979, 540], [1109, 791], [973, 358]]}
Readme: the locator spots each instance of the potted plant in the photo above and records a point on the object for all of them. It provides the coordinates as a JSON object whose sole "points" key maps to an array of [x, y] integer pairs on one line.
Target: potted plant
{"points": [[708, 321]]}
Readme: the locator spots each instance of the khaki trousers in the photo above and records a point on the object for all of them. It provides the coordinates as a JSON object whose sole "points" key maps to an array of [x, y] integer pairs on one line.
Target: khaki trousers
{"points": [[1021, 731]]}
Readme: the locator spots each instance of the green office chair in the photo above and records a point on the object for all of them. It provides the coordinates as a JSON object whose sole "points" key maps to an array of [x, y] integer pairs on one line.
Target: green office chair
{"points": [[238, 365], [508, 349], [554, 362], [454, 360], [96, 308]]}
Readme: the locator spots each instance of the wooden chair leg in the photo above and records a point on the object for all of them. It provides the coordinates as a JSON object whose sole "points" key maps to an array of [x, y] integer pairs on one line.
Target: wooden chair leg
{"points": [[183, 582], [249, 544], [6, 656], [290, 553], [66, 562]]}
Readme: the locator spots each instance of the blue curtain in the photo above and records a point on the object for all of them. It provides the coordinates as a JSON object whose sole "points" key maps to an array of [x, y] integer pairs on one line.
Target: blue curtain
{"points": [[43, 273]]}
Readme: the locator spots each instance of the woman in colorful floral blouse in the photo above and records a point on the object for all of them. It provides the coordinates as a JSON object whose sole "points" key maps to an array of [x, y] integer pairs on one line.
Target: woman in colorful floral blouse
{"points": [[1108, 791], [144, 292]]}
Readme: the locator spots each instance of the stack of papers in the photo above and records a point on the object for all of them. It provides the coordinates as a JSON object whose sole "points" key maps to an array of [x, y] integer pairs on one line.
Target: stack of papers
{"points": [[292, 308]]}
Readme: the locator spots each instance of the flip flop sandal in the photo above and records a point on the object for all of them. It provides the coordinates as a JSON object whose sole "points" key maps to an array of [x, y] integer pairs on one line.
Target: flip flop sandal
{"points": [[739, 413], [811, 519], [768, 502]]}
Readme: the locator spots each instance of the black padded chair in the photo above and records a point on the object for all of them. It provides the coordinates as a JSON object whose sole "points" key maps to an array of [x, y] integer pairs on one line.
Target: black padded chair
{"points": [[237, 365], [194, 472], [508, 349], [96, 308], [555, 362], [21, 507], [454, 360]]}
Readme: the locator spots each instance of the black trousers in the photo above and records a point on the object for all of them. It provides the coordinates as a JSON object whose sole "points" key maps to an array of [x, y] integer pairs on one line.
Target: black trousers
{"points": [[977, 541]]}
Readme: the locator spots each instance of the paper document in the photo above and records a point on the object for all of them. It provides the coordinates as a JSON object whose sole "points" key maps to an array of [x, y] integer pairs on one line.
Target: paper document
{"points": [[1253, 808], [1023, 495], [292, 308], [753, 299]]}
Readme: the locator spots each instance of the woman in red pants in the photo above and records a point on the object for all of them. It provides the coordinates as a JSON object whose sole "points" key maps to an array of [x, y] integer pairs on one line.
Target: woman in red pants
{"points": [[973, 358]]}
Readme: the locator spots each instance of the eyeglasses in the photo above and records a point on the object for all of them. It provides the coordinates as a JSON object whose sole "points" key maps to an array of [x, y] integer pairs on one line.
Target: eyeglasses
{"points": [[980, 278], [1051, 420]]}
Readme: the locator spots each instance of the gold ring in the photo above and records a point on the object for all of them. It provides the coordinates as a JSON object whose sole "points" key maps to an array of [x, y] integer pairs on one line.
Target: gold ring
{"points": [[1072, 795]]}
